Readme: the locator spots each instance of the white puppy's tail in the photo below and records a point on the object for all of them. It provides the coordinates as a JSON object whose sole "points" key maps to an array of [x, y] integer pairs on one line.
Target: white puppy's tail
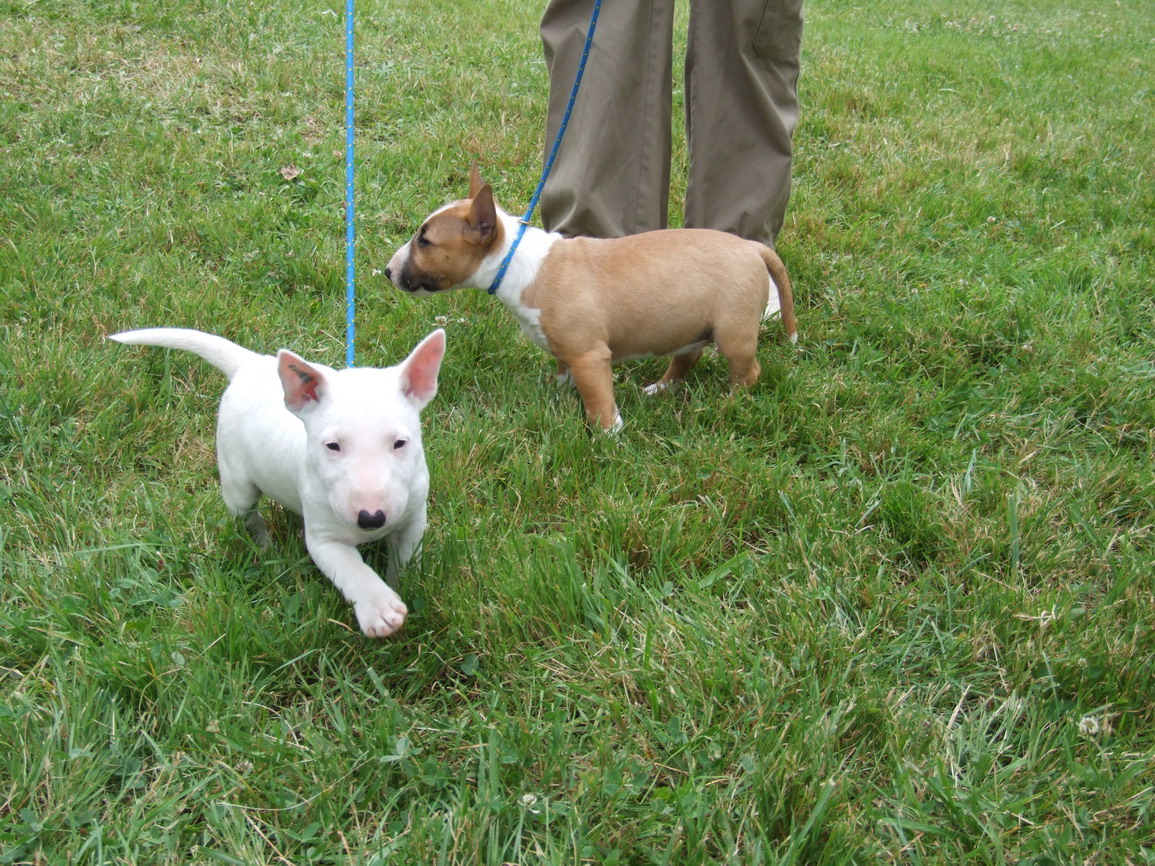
{"points": [[223, 354]]}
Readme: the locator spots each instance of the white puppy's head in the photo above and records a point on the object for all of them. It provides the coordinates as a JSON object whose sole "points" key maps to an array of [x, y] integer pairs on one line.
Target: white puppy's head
{"points": [[363, 433]]}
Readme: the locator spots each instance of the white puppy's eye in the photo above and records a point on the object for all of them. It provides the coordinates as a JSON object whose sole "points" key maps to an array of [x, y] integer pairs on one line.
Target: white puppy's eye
{"points": [[333, 446], [398, 444]]}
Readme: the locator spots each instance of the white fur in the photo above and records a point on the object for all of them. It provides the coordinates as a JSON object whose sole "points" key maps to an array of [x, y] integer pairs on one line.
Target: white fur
{"points": [[655, 388], [347, 449], [773, 305], [532, 250]]}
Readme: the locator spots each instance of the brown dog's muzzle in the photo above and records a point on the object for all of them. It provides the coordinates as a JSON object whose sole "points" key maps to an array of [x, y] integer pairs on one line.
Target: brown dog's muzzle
{"points": [[407, 281]]}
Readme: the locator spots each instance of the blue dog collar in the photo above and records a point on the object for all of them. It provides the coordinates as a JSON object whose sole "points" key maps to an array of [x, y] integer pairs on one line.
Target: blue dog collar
{"points": [[508, 257]]}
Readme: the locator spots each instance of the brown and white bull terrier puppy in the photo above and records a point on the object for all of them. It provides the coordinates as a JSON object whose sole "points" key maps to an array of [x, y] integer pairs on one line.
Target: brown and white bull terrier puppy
{"points": [[592, 302]]}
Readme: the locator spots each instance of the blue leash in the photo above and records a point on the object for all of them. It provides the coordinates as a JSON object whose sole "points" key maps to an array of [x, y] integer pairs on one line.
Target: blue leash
{"points": [[525, 220], [350, 234]]}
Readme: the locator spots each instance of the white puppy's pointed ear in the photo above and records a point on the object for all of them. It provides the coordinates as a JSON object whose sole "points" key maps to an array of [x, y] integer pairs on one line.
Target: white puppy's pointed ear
{"points": [[419, 371], [483, 216], [304, 384], [475, 181]]}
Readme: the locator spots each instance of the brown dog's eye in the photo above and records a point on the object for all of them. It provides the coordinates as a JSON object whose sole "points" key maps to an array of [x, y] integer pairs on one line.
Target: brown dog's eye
{"points": [[422, 241]]}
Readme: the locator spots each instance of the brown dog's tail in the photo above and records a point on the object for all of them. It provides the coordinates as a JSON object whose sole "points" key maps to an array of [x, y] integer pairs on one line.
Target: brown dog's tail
{"points": [[781, 279]]}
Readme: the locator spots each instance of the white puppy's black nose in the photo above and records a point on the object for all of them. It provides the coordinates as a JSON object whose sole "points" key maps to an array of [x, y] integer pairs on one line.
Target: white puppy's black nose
{"points": [[371, 521], [388, 273]]}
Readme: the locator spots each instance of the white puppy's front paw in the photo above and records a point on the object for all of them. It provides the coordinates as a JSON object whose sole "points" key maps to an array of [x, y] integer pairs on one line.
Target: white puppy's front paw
{"points": [[381, 615]]}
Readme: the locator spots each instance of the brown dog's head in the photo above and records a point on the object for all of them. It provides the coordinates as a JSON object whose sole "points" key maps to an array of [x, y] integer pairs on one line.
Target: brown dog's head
{"points": [[450, 245]]}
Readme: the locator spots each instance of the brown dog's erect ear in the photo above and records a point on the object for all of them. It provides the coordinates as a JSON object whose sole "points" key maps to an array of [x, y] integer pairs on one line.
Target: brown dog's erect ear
{"points": [[483, 216], [303, 383], [475, 181]]}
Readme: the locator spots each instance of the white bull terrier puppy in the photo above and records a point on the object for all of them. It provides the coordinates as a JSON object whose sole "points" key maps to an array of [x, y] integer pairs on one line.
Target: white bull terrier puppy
{"points": [[592, 302], [342, 448]]}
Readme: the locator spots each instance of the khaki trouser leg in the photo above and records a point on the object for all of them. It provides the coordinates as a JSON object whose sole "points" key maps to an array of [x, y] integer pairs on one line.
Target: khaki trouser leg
{"points": [[612, 174], [742, 64]]}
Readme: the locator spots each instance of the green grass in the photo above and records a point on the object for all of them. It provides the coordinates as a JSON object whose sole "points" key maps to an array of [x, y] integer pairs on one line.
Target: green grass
{"points": [[894, 605]]}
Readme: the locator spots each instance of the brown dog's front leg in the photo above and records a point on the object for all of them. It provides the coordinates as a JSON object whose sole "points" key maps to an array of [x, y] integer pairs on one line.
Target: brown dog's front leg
{"points": [[595, 382]]}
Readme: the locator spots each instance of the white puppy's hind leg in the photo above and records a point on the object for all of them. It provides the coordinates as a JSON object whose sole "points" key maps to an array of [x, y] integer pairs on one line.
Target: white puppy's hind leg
{"points": [[241, 496], [258, 529]]}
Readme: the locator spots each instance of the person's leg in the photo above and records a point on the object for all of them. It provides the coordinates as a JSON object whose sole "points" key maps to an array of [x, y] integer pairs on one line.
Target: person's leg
{"points": [[612, 173], [742, 64]]}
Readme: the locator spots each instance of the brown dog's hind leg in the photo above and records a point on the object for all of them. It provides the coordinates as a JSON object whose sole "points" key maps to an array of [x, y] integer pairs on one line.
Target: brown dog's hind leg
{"points": [[745, 376], [679, 366], [595, 382], [739, 353], [564, 376]]}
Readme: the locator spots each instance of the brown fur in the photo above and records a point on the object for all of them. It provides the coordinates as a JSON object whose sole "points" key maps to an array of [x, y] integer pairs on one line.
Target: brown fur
{"points": [[604, 300], [449, 245]]}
